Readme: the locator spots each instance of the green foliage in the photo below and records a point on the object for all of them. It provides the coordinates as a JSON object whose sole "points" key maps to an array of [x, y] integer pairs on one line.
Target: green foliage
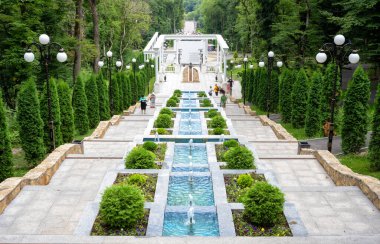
{"points": [[202, 94], [218, 122], [299, 100], [212, 113], [286, 87], [137, 180], [114, 96], [239, 158], [30, 123], [175, 98], [104, 107], [122, 206], [263, 204], [55, 113], [92, 102], [177, 93], [327, 87], [374, 145], [355, 118], [161, 131], [163, 121], [218, 131], [140, 158], [80, 107], [230, 143], [67, 116], [167, 111], [150, 146], [206, 103], [171, 103], [313, 117], [274, 92], [245, 180], [6, 164]]}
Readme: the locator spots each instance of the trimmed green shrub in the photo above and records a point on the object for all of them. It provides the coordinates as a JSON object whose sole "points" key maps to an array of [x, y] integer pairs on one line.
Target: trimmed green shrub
{"points": [[122, 206], [263, 204], [92, 102], [239, 158], [212, 113], [206, 103], [80, 107], [313, 114], [245, 180], [55, 113], [171, 103], [104, 106], [299, 100], [140, 158], [230, 143], [175, 98], [6, 164], [355, 112], [218, 131], [67, 116], [202, 94], [177, 93], [137, 180], [150, 146], [162, 131], [374, 145], [30, 123], [218, 122], [286, 85], [167, 111], [163, 121]]}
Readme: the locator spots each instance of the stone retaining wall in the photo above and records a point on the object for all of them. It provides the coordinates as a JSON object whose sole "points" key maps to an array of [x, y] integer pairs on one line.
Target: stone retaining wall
{"points": [[344, 176], [40, 175], [248, 110], [280, 131]]}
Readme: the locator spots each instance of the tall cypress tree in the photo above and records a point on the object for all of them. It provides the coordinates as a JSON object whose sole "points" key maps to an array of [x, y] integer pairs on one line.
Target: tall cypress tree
{"points": [[274, 90], [140, 85], [313, 116], [114, 95], [355, 117], [30, 123], [67, 116], [92, 102], [104, 107], [374, 145], [121, 93], [79, 102], [262, 88], [286, 87], [6, 164], [299, 99], [55, 113], [251, 85], [133, 89], [125, 90], [328, 81]]}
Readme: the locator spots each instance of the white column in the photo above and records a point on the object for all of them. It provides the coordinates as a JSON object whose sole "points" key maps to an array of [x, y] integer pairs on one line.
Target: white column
{"points": [[225, 66], [156, 67], [217, 56]]}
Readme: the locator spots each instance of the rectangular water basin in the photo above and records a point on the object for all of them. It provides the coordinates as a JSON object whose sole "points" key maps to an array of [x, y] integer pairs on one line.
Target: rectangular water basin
{"points": [[187, 95], [190, 115], [200, 188], [182, 153], [176, 224], [189, 103], [190, 127], [188, 169]]}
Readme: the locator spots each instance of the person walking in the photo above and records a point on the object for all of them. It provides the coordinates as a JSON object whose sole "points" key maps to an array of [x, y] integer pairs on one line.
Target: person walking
{"points": [[210, 91], [152, 99], [216, 89], [143, 104]]}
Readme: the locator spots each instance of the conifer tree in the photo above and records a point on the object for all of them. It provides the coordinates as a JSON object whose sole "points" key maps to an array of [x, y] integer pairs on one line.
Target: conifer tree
{"points": [[313, 116], [121, 93], [104, 107], [125, 91], [274, 90], [328, 81], [114, 95], [299, 99], [55, 113], [30, 123], [251, 84], [79, 102], [6, 164], [92, 102], [66, 109], [374, 145], [355, 109], [286, 86], [134, 90]]}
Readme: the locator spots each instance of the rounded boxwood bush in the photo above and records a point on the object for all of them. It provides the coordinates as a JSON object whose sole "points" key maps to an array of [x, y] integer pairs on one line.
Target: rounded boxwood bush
{"points": [[263, 204], [212, 113], [177, 93], [122, 206], [163, 121], [171, 103], [239, 158], [245, 181], [167, 111], [137, 180], [140, 158], [202, 94], [162, 131], [218, 122], [150, 146], [175, 98], [218, 131], [206, 103], [230, 143]]}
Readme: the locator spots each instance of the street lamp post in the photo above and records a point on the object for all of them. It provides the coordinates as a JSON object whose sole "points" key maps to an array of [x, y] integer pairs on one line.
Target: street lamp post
{"points": [[269, 80], [244, 87], [338, 51], [45, 47]]}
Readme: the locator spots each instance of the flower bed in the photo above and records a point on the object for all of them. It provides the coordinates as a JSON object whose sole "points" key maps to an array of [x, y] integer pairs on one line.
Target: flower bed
{"points": [[225, 132], [148, 189], [233, 190]]}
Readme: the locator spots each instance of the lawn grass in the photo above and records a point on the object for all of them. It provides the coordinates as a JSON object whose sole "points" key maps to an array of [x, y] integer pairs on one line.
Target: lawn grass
{"points": [[258, 110], [78, 137], [299, 134], [359, 164], [20, 164]]}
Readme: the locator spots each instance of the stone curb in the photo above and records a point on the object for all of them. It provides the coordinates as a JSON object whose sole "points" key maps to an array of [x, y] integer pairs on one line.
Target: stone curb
{"points": [[280, 131]]}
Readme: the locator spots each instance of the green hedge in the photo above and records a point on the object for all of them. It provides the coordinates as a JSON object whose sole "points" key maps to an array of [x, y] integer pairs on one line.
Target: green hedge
{"points": [[67, 116], [163, 121], [92, 102], [239, 158], [80, 107], [140, 158], [218, 122], [6, 164]]}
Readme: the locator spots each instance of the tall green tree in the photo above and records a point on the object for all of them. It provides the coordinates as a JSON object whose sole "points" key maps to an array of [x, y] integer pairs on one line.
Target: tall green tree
{"points": [[121, 93], [274, 90], [66, 109], [299, 99], [55, 113], [92, 102], [374, 145], [327, 87], [30, 123], [286, 86], [6, 164], [355, 112], [313, 116], [114, 95], [104, 107], [79, 102]]}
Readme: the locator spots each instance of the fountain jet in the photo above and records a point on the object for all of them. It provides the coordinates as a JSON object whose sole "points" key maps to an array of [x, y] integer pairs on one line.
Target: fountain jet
{"points": [[156, 137], [190, 216]]}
